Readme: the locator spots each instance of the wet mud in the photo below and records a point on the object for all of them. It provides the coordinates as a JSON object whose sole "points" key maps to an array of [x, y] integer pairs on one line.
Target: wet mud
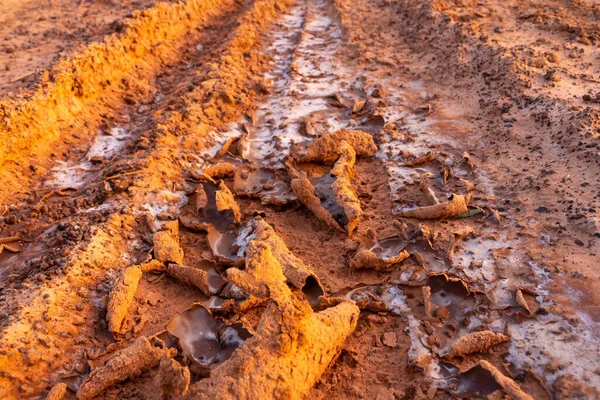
{"points": [[323, 199]]}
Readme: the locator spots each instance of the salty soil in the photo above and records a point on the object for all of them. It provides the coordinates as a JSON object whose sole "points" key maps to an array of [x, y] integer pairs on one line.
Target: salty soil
{"points": [[289, 199]]}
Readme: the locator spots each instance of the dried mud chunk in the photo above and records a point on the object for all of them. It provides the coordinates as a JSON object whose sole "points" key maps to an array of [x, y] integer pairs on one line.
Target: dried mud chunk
{"points": [[296, 271], [190, 276], [225, 201], [172, 378], [455, 206], [127, 363], [509, 386], [292, 346], [344, 192], [305, 192], [58, 392], [219, 171], [325, 148], [263, 275], [284, 359], [121, 296], [476, 342], [166, 245]]}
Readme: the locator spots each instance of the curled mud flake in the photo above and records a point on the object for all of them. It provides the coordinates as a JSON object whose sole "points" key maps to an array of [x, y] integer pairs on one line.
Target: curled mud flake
{"points": [[429, 307], [207, 210], [297, 273], [367, 259], [466, 158], [509, 386], [344, 192], [219, 171], [125, 364], [9, 239], [526, 298], [325, 149], [456, 205], [121, 296], [230, 144], [190, 276], [493, 216], [476, 342], [520, 299], [427, 158], [380, 255], [201, 198], [172, 378], [58, 392], [359, 106], [11, 243], [468, 185], [153, 266], [365, 297], [426, 187], [338, 100], [445, 173], [166, 244], [305, 192], [456, 238], [206, 342], [166, 247], [344, 166], [225, 201], [424, 110], [286, 356]]}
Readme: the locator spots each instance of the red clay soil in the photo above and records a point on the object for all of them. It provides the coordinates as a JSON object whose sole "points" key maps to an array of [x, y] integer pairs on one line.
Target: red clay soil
{"points": [[324, 199]]}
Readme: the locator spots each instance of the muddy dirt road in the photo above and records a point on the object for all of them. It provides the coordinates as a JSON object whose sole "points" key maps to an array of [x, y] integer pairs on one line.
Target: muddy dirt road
{"points": [[300, 198]]}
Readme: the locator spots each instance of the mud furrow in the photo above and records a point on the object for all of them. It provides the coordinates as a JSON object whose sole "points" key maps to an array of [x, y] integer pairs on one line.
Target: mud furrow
{"points": [[119, 243], [523, 352], [74, 90]]}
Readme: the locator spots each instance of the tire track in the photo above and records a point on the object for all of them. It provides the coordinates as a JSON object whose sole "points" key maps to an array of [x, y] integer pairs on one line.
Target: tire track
{"points": [[36, 305]]}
